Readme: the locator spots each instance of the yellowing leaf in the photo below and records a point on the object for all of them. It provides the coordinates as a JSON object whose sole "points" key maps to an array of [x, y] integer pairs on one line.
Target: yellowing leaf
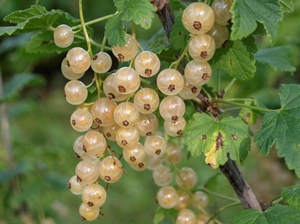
{"points": [[217, 139]]}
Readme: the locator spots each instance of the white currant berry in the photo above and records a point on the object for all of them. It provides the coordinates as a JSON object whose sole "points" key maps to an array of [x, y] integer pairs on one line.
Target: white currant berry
{"points": [[155, 145], [87, 171], [167, 197], [103, 112], [162, 176], [68, 72], [94, 195], [147, 124], [220, 34], [221, 9], [198, 73], [111, 131], [183, 200], [141, 166], [186, 216], [172, 108], [75, 186], [126, 114], [200, 200], [110, 169], [79, 149], [75, 92], [189, 91], [198, 18], [87, 213], [175, 128], [94, 143], [127, 138], [135, 155], [126, 80], [146, 100], [128, 51], [81, 120], [78, 60], [187, 179], [110, 90], [147, 64], [201, 47], [169, 81], [101, 62], [63, 36]]}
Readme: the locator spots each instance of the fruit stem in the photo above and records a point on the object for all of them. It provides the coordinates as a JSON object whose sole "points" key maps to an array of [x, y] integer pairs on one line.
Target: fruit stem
{"points": [[88, 42], [98, 81], [229, 85], [223, 209], [177, 62], [242, 105], [218, 195], [94, 21], [103, 43]]}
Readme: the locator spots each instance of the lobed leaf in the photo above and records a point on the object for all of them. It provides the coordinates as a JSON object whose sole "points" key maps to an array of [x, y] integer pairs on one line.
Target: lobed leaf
{"points": [[276, 214], [139, 12], [217, 139], [22, 15], [282, 127], [287, 5], [279, 58], [237, 58], [246, 14], [291, 195]]}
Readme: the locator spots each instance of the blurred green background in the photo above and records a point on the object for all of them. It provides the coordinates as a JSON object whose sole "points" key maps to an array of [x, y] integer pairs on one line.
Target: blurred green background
{"points": [[36, 155]]}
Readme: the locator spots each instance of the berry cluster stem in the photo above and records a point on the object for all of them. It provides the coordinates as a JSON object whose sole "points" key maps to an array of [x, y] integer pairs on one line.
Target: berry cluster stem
{"points": [[86, 35]]}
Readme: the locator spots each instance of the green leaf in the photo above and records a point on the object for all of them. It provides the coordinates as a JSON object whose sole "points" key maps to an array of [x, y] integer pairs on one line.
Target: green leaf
{"points": [[277, 214], [22, 15], [114, 31], [291, 195], [287, 5], [282, 127], [158, 42], [236, 58], [139, 12], [39, 22], [164, 216], [279, 58], [179, 35], [17, 83], [217, 139], [246, 14]]}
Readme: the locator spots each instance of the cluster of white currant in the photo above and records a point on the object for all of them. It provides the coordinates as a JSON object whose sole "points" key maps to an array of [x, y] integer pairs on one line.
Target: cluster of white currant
{"points": [[126, 112]]}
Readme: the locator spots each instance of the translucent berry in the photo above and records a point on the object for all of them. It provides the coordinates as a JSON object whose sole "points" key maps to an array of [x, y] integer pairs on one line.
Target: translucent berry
{"points": [[155, 145], [101, 62], [198, 73], [147, 64], [87, 213], [127, 138], [201, 47], [87, 171], [126, 80], [162, 176], [186, 216], [63, 36], [167, 197], [147, 124], [172, 108], [94, 195], [222, 12], [175, 128], [188, 178], [94, 143], [126, 114], [81, 120], [198, 18], [110, 169], [68, 72], [110, 90], [169, 81], [78, 60], [146, 100], [75, 92], [220, 34], [128, 51], [75, 186], [103, 112]]}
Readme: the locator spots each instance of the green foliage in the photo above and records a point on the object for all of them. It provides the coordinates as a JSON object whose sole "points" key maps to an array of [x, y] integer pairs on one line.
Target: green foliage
{"points": [[276, 214], [287, 5], [217, 139], [279, 58], [237, 58], [246, 14], [139, 12], [248, 115], [291, 195], [179, 35], [164, 216], [38, 19], [282, 127], [17, 83]]}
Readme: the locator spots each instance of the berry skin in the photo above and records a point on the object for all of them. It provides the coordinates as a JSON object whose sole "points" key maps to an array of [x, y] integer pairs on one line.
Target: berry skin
{"points": [[110, 169], [128, 51], [146, 100], [167, 197], [87, 213], [81, 120], [101, 62], [186, 216], [67, 71], [94, 195], [126, 80], [75, 92], [197, 72], [103, 112], [220, 34], [169, 81], [172, 108], [126, 114], [222, 12], [147, 64], [87, 171], [201, 47], [63, 36], [198, 18], [78, 60]]}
